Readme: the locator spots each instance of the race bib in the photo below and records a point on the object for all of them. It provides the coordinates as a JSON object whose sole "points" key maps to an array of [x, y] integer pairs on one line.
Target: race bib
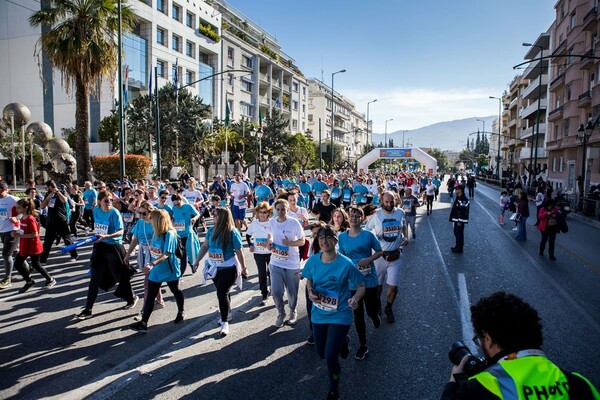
{"points": [[86, 202], [101, 229], [52, 202], [327, 301], [280, 252], [179, 226], [3, 214], [335, 195], [262, 243], [155, 252], [391, 230], [127, 217], [215, 255], [406, 205], [366, 270], [347, 197]]}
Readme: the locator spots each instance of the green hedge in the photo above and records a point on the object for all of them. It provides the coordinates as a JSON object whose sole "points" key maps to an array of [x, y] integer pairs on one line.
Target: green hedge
{"points": [[106, 168], [209, 32]]}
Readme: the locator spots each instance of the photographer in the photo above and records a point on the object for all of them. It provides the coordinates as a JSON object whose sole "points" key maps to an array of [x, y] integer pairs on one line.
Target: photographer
{"points": [[509, 332], [57, 220]]}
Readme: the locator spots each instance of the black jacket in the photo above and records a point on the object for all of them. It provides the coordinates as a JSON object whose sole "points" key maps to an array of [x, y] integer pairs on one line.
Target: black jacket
{"points": [[460, 209]]}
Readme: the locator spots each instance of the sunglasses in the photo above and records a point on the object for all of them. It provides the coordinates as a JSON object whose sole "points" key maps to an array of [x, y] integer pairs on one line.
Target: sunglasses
{"points": [[143, 214], [163, 198], [108, 200]]}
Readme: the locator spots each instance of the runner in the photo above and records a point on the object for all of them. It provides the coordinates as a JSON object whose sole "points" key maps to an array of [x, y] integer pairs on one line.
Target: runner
{"points": [[409, 205], [89, 199], [323, 209], [239, 193], [430, 194], [257, 236], [57, 220], [8, 212], [184, 218], [390, 228]]}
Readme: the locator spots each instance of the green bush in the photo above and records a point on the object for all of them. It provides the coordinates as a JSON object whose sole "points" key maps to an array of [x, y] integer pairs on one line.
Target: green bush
{"points": [[106, 168], [209, 32]]}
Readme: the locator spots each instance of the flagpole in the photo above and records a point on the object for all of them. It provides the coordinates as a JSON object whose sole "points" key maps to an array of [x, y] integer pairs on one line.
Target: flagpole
{"points": [[120, 85], [157, 124]]}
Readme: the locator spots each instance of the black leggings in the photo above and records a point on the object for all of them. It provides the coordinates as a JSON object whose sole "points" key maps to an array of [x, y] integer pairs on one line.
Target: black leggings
{"points": [[369, 301], [88, 217], [329, 339], [548, 236], [124, 289], [73, 222], [35, 263], [308, 308], [153, 289], [183, 261], [223, 281], [262, 264]]}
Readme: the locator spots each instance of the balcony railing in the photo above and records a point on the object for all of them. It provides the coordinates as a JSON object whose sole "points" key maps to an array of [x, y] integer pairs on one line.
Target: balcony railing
{"points": [[532, 108], [525, 153], [589, 18], [560, 47], [557, 80], [585, 95], [556, 112], [528, 132]]}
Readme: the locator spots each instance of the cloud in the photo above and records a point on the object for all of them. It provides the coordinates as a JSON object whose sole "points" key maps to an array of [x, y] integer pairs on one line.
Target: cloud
{"points": [[413, 108]]}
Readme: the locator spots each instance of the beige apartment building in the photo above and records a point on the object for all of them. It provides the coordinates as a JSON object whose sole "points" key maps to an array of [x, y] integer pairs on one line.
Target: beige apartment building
{"points": [[511, 144], [574, 97], [272, 79], [349, 127]]}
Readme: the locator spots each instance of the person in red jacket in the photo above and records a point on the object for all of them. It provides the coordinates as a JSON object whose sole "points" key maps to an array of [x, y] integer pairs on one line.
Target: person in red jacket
{"points": [[30, 245]]}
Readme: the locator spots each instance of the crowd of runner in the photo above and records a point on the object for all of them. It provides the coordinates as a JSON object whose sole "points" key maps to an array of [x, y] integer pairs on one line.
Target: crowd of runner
{"points": [[359, 225]]}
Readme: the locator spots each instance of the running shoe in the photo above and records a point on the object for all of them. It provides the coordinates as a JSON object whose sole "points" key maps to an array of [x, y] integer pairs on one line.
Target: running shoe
{"points": [[390, 315], [345, 350], [264, 300], [5, 283], [224, 329], [159, 305], [138, 317], [85, 314], [377, 321], [139, 327], [73, 259], [179, 318], [293, 318], [50, 284], [310, 340], [333, 396], [27, 286], [132, 304], [361, 352], [279, 320]]}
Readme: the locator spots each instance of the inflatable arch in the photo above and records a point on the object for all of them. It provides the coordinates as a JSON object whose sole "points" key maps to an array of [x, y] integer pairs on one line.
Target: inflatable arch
{"points": [[429, 162]]}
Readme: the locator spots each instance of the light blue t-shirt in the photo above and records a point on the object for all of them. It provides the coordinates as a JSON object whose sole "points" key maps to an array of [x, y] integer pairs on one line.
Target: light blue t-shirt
{"points": [[358, 248], [167, 270], [216, 253], [181, 219], [143, 231], [332, 281], [263, 192], [335, 192], [106, 223], [360, 191], [89, 198], [347, 195], [318, 187], [304, 188], [167, 208]]}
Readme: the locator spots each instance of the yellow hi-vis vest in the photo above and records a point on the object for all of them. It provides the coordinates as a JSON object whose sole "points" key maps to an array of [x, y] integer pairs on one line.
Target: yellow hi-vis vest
{"points": [[529, 376]]}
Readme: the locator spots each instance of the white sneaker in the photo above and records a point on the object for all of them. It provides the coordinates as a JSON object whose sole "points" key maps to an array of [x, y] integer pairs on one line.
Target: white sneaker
{"points": [[224, 329], [515, 229], [279, 320], [293, 318]]}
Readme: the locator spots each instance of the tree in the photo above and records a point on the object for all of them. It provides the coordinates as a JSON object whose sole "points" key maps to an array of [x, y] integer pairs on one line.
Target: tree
{"points": [[301, 153], [82, 45], [442, 159], [108, 131], [274, 137]]}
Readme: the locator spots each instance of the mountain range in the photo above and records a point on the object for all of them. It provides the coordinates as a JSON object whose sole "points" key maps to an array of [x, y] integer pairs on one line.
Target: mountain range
{"points": [[448, 135]]}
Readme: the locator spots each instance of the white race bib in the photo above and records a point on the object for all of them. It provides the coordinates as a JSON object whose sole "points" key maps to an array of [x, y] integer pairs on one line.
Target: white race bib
{"points": [[327, 302], [3, 214], [179, 226], [155, 252], [100, 229], [280, 252]]}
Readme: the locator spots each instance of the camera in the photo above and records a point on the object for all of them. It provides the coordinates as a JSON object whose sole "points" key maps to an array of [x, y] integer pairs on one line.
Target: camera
{"points": [[474, 365]]}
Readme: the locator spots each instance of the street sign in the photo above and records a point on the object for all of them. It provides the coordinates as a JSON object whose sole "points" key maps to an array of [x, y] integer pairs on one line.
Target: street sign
{"points": [[395, 153]]}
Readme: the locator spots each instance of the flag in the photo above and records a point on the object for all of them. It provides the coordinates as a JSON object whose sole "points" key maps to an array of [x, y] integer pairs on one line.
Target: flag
{"points": [[260, 118], [277, 103], [176, 83], [126, 87], [227, 112], [150, 85]]}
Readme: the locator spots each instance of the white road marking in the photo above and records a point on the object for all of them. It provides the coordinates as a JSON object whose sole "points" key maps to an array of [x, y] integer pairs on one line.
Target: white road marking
{"points": [[465, 314]]}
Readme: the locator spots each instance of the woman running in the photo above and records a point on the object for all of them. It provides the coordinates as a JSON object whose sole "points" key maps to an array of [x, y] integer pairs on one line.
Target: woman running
{"points": [[184, 218], [257, 236], [339, 220]]}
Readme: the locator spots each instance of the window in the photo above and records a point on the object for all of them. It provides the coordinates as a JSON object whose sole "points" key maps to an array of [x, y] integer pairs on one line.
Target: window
{"points": [[247, 61], [310, 118], [295, 105], [247, 86], [190, 20], [230, 55], [566, 128], [569, 91], [176, 43], [160, 6], [176, 12], [230, 80], [160, 36], [160, 70], [553, 164], [571, 58], [573, 19], [304, 93], [245, 109], [304, 110], [562, 12], [556, 132], [189, 49], [295, 86], [294, 124], [189, 77], [592, 80]]}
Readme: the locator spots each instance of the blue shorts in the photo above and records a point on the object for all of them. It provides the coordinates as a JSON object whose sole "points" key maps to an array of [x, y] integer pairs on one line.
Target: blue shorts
{"points": [[238, 213]]}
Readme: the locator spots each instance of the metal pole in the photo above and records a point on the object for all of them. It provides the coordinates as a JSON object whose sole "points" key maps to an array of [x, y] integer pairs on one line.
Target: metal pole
{"points": [[24, 154], [31, 155], [12, 138], [370, 138], [320, 149], [332, 121], [157, 124], [120, 82], [537, 115]]}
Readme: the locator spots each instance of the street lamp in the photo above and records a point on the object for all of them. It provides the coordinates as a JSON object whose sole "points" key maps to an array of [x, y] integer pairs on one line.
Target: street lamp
{"points": [[499, 134], [12, 135], [348, 149], [333, 113], [583, 133], [386, 121], [534, 142], [403, 132], [371, 137]]}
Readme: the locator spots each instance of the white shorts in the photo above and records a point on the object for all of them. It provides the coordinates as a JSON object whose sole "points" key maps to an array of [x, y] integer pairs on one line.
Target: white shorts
{"points": [[391, 269]]}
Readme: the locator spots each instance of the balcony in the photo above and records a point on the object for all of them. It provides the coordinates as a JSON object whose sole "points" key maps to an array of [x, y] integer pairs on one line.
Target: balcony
{"points": [[585, 99], [555, 114], [532, 91], [525, 153], [587, 60], [512, 123], [557, 82], [513, 103], [560, 49], [590, 19], [532, 108], [596, 96], [528, 132]]}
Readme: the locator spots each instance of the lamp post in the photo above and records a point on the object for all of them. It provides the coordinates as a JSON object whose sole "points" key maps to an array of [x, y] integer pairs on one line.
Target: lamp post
{"points": [[333, 113], [583, 133], [369, 138], [348, 148], [499, 134], [534, 142], [259, 134], [386, 121], [403, 132]]}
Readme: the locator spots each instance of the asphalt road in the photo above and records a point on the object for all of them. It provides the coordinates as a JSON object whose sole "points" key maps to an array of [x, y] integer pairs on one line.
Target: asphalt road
{"points": [[46, 353]]}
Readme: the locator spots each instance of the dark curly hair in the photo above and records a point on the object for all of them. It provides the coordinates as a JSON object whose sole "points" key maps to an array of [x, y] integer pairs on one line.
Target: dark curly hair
{"points": [[511, 323]]}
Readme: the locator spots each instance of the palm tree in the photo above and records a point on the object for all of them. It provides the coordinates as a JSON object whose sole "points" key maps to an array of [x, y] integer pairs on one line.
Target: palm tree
{"points": [[82, 44]]}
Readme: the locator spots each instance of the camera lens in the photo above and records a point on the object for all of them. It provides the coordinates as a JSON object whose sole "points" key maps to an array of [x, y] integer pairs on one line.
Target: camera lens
{"points": [[457, 352]]}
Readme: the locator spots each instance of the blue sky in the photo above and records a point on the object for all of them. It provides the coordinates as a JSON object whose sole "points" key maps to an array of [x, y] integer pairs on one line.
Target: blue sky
{"points": [[426, 61]]}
